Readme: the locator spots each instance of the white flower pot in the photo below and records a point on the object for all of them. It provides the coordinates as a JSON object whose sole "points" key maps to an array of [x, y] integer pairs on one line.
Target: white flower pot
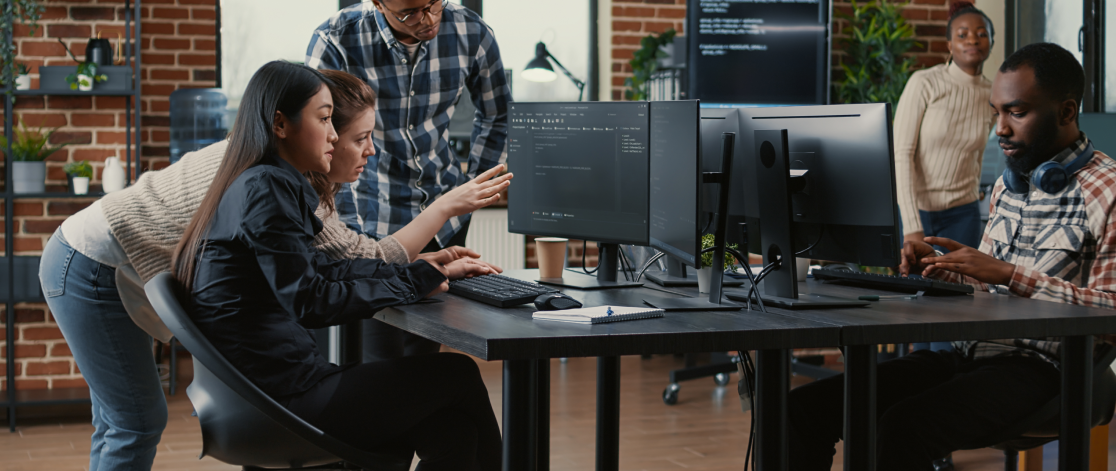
{"points": [[81, 185], [85, 82], [29, 177], [23, 82], [704, 276]]}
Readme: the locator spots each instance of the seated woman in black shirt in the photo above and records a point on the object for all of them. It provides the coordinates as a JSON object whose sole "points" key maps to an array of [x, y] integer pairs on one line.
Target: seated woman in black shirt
{"points": [[257, 286]]}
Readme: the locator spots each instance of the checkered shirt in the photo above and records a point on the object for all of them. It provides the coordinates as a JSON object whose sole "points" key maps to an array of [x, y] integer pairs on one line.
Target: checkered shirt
{"points": [[1063, 246], [415, 99]]}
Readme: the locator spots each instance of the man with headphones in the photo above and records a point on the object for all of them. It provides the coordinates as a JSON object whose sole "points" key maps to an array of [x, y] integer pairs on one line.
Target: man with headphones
{"points": [[1049, 237]]}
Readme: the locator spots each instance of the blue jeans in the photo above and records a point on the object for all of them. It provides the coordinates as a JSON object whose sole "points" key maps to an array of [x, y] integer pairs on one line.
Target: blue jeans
{"points": [[961, 224], [115, 357]]}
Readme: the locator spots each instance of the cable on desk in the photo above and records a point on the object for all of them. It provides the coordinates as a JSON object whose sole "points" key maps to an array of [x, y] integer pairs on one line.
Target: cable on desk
{"points": [[815, 244], [584, 246], [753, 279], [650, 261]]}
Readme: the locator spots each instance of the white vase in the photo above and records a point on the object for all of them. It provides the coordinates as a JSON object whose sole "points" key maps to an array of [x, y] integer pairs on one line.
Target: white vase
{"points": [[83, 80], [112, 179], [704, 276], [29, 177], [81, 185], [23, 82]]}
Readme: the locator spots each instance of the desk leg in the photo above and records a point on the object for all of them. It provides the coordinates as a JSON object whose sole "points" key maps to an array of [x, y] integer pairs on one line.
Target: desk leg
{"points": [[1077, 401], [608, 413], [543, 415], [772, 385], [520, 414], [860, 407]]}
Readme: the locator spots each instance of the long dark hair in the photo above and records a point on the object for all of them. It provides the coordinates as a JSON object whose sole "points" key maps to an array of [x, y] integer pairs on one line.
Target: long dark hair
{"points": [[351, 97], [277, 86]]}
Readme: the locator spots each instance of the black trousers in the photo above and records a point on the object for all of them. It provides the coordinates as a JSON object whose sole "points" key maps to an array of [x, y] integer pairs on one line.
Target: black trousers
{"points": [[434, 405], [384, 342], [929, 404]]}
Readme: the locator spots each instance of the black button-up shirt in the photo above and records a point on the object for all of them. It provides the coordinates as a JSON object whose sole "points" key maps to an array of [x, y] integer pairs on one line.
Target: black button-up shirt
{"points": [[260, 285]]}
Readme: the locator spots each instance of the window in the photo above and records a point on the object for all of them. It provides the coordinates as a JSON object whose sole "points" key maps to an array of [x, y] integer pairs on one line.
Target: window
{"points": [[255, 32]]}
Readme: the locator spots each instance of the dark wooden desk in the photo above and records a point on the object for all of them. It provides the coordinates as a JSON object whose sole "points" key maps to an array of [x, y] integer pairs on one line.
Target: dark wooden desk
{"points": [[981, 316], [524, 344], [510, 335]]}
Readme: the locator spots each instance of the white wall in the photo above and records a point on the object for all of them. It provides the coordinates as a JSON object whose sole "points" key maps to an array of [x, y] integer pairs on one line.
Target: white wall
{"points": [[255, 32], [995, 11], [562, 25]]}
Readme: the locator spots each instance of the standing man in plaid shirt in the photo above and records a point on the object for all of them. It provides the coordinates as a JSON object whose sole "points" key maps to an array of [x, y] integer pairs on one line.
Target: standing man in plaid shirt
{"points": [[1050, 241], [418, 56]]}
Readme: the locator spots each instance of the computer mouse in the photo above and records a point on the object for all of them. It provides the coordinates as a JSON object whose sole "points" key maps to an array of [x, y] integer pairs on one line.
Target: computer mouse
{"points": [[556, 301]]}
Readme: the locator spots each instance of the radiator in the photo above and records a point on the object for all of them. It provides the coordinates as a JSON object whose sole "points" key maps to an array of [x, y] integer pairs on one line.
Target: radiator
{"points": [[488, 235]]}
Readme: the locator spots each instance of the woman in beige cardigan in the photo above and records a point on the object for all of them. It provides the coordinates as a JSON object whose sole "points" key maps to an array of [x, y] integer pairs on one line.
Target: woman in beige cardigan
{"points": [[94, 267]]}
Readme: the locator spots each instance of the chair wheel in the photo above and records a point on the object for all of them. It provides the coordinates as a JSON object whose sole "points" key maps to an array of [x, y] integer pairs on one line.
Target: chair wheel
{"points": [[670, 395], [722, 379]]}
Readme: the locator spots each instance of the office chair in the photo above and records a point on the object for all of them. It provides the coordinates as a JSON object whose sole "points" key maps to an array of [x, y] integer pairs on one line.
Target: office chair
{"points": [[1043, 426], [240, 424]]}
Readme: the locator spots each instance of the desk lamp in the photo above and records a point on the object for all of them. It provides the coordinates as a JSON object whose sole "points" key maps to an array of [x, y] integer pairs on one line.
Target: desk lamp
{"points": [[539, 69]]}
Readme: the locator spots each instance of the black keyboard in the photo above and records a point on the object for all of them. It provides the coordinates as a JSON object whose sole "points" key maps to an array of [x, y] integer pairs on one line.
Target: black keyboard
{"points": [[910, 284], [498, 290]]}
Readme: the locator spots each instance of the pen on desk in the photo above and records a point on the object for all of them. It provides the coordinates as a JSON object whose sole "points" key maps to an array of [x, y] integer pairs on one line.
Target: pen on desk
{"points": [[609, 312]]}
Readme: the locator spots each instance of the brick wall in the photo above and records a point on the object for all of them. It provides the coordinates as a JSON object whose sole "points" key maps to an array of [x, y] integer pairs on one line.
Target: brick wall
{"points": [[634, 19], [179, 51]]}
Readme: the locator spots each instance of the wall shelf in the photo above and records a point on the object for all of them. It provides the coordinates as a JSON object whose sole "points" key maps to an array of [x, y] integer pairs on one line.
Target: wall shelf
{"points": [[27, 267]]}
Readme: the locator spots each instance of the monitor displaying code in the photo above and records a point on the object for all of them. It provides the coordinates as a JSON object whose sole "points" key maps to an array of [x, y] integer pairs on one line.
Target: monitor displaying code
{"points": [[758, 52]]}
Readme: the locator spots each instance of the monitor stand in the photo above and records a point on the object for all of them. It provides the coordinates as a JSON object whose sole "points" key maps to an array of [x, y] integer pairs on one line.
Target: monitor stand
{"points": [[607, 267], [780, 286], [678, 274], [714, 302]]}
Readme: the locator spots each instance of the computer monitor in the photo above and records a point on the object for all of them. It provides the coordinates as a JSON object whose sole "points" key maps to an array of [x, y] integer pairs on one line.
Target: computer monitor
{"points": [[758, 52], [685, 142], [675, 180], [581, 172], [843, 209]]}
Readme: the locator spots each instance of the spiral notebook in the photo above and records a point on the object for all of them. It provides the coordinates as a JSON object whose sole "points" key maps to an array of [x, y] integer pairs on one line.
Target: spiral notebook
{"points": [[598, 315]]}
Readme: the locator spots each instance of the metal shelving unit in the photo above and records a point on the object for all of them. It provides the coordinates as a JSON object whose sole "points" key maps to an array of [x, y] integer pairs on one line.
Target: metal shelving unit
{"points": [[27, 266]]}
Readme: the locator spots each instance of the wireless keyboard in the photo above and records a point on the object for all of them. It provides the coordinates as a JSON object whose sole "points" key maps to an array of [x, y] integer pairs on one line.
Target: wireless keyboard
{"points": [[498, 290], [891, 282]]}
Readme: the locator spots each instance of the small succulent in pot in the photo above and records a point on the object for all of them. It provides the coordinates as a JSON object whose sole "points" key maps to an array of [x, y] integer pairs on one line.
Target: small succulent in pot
{"points": [[79, 169], [86, 74]]}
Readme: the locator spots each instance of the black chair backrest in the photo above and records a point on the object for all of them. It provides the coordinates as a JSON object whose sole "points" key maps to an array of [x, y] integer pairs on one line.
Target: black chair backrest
{"points": [[161, 291], [1045, 423]]}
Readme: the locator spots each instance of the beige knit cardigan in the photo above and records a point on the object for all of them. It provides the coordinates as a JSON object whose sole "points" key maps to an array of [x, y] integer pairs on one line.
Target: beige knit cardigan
{"points": [[149, 217]]}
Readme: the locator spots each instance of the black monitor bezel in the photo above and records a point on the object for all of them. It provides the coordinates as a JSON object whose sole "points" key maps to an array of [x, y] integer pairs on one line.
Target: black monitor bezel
{"points": [[668, 249], [573, 236]]}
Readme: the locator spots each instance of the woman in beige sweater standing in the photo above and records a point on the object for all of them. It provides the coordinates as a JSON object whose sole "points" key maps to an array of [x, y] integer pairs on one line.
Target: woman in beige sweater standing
{"points": [[941, 126], [94, 267]]}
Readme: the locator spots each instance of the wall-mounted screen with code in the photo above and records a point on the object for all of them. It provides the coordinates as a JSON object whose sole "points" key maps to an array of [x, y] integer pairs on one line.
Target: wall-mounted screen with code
{"points": [[758, 52]]}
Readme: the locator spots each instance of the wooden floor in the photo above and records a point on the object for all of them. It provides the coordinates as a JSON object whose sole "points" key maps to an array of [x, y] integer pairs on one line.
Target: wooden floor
{"points": [[704, 431]]}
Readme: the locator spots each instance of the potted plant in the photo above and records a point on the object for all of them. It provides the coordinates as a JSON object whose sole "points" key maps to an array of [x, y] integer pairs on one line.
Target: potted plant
{"points": [[645, 62], [705, 273], [79, 174], [874, 66], [13, 12], [29, 150], [86, 74], [23, 80]]}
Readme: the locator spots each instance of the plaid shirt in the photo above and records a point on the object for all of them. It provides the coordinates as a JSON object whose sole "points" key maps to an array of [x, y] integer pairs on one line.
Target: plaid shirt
{"points": [[1063, 246], [415, 99]]}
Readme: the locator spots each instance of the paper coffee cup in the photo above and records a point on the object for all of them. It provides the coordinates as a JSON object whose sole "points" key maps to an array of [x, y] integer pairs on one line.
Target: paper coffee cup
{"points": [[551, 252], [803, 268]]}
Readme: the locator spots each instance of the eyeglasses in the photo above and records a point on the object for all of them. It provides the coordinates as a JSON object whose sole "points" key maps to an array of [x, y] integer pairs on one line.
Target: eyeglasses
{"points": [[413, 19]]}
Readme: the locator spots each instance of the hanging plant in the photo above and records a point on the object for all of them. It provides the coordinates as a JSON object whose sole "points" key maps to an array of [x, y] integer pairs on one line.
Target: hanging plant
{"points": [[644, 63], [12, 12], [875, 69]]}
